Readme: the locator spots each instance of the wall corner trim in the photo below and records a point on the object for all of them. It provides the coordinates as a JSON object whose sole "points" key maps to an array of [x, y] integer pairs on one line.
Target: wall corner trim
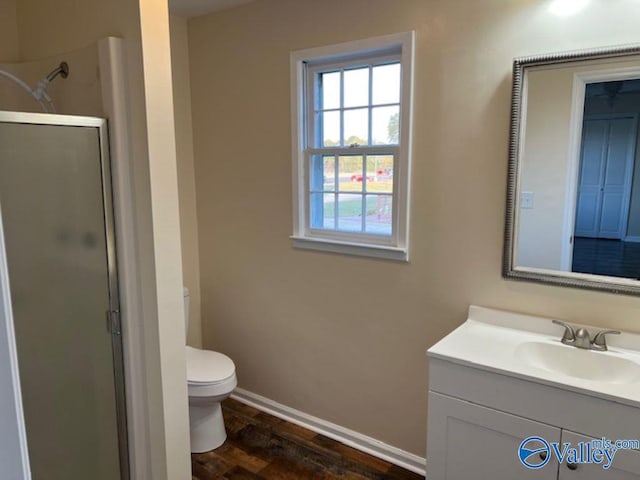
{"points": [[341, 434]]}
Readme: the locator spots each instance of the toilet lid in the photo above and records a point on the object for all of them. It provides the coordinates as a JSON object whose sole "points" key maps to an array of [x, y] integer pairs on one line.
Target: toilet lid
{"points": [[207, 367]]}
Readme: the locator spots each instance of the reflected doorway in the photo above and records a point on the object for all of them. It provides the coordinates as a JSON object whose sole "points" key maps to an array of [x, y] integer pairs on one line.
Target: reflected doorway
{"points": [[607, 184]]}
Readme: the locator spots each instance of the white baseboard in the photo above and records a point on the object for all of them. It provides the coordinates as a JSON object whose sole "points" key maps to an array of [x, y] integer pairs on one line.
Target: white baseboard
{"points": [[343, 435], [631, 238]]}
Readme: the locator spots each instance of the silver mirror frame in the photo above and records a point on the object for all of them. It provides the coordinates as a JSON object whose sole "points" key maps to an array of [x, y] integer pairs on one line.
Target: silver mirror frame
{"points": [[550, 277]]}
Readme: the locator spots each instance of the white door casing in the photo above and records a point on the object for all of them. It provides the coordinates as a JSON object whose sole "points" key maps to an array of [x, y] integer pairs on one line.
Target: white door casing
{"points": [[580, 81]]}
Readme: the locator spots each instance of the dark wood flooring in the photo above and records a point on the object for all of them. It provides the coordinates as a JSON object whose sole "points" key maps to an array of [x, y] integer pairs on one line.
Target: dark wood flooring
{"points": [[614, 258], [260, 446]]}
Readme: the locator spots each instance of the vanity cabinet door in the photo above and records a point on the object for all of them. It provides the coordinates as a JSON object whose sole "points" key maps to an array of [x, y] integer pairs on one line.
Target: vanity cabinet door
{"points": [[467, 441], [625, 465]]}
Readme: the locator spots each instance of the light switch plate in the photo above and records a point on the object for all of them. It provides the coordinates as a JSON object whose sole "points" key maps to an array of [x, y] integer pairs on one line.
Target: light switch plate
{"points": [[526, 200]]}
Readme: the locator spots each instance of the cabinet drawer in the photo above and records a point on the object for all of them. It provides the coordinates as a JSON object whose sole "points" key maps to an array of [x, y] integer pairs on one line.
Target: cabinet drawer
{"points": [[543, 403]]}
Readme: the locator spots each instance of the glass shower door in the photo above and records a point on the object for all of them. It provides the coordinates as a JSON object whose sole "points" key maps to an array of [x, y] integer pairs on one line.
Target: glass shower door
{"points": [[55, 194]]}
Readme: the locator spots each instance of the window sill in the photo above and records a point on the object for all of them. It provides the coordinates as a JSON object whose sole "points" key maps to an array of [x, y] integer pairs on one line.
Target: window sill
{"points": [[348, 248]]}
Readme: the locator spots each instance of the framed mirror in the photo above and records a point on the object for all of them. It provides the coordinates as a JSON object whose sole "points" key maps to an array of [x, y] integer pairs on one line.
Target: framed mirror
{"points": [[573, 193]]}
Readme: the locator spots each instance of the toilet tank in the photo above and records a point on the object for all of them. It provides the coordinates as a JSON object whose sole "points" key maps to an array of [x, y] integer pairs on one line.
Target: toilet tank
{"points": [[185, 293]]}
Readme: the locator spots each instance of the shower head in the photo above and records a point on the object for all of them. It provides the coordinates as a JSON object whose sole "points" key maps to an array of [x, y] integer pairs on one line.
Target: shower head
{"points": [[62, 70], [40, 92]]}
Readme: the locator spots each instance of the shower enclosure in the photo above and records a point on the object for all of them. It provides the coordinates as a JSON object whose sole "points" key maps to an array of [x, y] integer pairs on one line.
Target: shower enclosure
{"points": [[55, 199]]}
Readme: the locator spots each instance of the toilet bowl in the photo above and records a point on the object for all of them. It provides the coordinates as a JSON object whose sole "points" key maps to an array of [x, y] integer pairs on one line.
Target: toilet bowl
{"points": [[211, 377]]}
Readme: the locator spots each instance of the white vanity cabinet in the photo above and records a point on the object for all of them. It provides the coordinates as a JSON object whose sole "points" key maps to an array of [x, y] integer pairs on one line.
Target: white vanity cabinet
{"points": [[467, 441], [625, 466], [487, 394], [477, 421]]}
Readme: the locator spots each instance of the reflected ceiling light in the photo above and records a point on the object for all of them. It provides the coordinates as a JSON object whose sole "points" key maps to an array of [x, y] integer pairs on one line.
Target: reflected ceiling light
{"points": [[564, 8]]}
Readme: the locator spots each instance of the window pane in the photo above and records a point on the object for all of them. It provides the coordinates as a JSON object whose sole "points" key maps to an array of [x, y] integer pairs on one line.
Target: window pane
{"points": [[330, 97], [379, 214], [322, 211], [322, 173], [380, 173], [330, 129], [351, 173], [356, 87], [350, 212], [385, 125], [356, 127], [386, 84]]}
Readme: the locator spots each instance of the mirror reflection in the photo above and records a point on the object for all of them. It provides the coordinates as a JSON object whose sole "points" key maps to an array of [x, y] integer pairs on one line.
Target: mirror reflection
{"points": [[607, 224], [575, 148]]}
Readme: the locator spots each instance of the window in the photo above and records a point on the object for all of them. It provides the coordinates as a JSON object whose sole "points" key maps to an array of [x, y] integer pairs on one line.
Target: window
{"points": [[351, 146]]}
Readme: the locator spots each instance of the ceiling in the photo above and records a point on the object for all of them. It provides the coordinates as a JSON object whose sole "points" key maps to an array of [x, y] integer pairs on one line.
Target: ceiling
{"points": [[193, 8]]}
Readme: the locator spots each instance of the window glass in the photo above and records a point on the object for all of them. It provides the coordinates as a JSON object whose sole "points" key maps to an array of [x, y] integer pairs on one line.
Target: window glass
{"points": [[356, 88], [386, 84], [348, 147], [385, 125], [330, 90]]}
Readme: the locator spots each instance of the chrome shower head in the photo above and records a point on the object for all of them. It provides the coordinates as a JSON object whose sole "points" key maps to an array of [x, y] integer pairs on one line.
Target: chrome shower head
{"points": [[62, 70]]}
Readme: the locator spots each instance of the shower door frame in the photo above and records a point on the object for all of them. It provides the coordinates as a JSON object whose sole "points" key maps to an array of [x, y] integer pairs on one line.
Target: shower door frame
{"points": [[113, 315]]}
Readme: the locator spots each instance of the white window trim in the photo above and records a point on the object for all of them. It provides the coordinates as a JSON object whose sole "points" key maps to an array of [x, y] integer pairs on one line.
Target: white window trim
{"points": [[337, 242]]}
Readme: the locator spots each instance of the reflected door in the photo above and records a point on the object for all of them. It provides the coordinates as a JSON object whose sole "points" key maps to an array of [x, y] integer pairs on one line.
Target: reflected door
{"points": [[606, 168], [55, 197]]}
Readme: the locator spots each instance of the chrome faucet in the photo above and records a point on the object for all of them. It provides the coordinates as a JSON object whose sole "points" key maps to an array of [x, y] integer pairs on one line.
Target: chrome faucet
{"points": [[581, 338]]}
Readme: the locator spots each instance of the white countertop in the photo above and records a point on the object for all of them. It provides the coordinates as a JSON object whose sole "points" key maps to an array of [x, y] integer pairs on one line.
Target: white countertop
{"points": [[490, 340]]}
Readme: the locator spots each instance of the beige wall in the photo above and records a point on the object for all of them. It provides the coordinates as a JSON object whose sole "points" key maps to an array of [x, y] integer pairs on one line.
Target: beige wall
{"points": [[50, 28], [186, 176], [9, 51], [340, 337], [79, 94], [544, 167]]}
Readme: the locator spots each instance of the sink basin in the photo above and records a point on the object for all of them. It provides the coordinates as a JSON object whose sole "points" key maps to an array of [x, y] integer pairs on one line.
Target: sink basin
{"points": [[529, 348], [602, 367]]}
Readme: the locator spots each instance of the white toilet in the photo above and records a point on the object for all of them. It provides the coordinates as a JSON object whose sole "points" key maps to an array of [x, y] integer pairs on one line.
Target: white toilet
{"points": [[211, 377]]}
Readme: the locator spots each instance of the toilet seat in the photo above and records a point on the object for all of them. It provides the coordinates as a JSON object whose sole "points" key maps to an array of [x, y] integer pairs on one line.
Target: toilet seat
{"points": [[209, 373]]}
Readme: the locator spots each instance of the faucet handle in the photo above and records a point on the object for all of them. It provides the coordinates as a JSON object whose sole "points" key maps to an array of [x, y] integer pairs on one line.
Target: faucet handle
{"points": [[569, 334], [600, 340]]}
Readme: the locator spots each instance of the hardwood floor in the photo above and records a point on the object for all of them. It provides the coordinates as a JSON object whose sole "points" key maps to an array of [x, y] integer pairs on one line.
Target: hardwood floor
{"points": [[260, 446], [614, 258]]}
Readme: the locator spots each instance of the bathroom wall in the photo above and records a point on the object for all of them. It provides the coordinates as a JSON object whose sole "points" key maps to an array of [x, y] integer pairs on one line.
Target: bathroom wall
{"points": [[545, 150], [186, 175], [50, 28], [78, 94], [8, 31], [340, 337]]}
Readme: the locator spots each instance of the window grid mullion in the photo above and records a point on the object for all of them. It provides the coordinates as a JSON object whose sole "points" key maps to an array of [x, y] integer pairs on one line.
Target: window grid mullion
{"points": [[370, 109], [336, 183], [365, 186], [316, 116], [364, 211], [359, 107], [380, 150], [341, 140], [365, 179]]}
